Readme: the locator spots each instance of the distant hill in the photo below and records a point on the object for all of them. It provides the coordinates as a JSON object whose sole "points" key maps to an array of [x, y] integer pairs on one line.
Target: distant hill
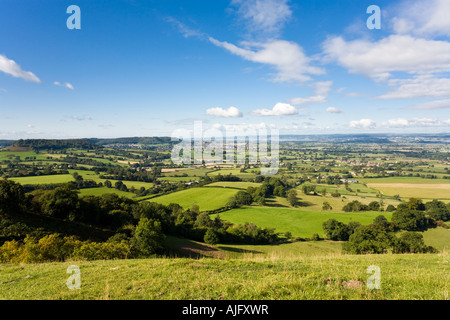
{"points": [[132, 140], [55, 144]]}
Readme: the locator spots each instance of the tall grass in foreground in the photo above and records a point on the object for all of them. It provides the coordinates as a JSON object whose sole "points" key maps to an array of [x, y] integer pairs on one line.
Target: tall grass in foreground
{"points": [[419, 276]]}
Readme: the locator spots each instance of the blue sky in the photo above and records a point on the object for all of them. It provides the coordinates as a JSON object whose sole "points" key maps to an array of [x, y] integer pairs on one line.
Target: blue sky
{"points": [[146, 68]]}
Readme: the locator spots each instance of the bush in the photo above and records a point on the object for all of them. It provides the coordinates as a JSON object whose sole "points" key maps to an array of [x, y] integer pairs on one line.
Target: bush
{"points": [[411, 242], [148, 237], [410, 220], [368, 239], [335, 230], [390, 208], [315, 237], [211, 237]]}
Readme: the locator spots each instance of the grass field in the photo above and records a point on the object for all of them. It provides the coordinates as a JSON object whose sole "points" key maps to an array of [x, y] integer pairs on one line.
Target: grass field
{"points": [[231, 184], [206, 198], [410, 190], [48, 179], [403, 277], [104, 190], [300, 223]]}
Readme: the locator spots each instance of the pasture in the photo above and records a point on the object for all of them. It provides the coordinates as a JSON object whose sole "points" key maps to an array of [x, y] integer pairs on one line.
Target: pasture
{"points": [[207, 198], [298, 222]]}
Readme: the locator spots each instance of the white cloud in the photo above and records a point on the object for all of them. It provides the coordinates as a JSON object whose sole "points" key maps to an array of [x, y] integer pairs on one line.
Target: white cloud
{"points": [[280, 109], [422, 86], [241, 126], [11, 67], [396, 53], [423, 18], [267, 16], [286, 57], [363, 124], [81, 118], [322, 90], [334, 110], [184, 29], [66, 85], [415, 122], [231, 112], [432, 105], [3, 90]]}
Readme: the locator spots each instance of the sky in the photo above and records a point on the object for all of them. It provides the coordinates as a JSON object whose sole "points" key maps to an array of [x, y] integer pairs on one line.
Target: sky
{"points": [[147, 68]]}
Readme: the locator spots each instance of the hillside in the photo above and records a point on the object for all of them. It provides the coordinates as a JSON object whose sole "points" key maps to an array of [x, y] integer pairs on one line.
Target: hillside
{"points": [[315, 277]]}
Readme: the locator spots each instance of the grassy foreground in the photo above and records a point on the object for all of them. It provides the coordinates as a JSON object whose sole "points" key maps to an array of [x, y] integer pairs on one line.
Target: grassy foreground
{"points": [[408, 277]]}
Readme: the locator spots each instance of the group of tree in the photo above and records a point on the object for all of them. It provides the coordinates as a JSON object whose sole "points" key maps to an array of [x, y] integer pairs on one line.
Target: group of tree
{"points": [[380, 236], [140, 225]]}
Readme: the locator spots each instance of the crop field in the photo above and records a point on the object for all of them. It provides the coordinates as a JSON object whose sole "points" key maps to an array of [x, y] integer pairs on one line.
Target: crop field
{"points": [[409, 190], [299, 223], [206, 198], [232, 184]]}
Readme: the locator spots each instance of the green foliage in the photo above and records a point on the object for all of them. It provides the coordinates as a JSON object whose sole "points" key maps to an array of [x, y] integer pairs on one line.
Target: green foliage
{"points": [[356, 206], [148, 237], [336, 230], [390, 208], [368, 239], [410, 220], [61, 203], [211, 237], [411, 242], [326, 206], [12, 198], [292, 197]]}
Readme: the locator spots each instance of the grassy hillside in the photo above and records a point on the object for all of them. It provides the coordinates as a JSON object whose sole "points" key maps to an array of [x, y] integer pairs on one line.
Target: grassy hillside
{"points": [[206, 198], [312, 277], [298, 222]]}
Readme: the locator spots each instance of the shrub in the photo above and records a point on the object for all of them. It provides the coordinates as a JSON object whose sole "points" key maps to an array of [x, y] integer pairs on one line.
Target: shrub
{"points": [[211, 237], [148, 236]]}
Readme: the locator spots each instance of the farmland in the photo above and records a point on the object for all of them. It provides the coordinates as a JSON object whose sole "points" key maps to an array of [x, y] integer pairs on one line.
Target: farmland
{"points": [[266, 229]]}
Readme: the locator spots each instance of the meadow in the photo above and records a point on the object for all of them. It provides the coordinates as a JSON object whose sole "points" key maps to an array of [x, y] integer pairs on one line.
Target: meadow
{"points": [[323, 277], [207, 198], [299, 222]]}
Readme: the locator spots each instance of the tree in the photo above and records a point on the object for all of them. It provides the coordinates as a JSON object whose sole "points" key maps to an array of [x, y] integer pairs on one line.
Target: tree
{"points": [[211, 237], [382, 222], [12, 198], [368, 239], [374, 206], [411, 242], [61, 203], [410, 220], [326, 206], [148, 236], [390, 208], [203, 220], [292, 197], [336, 230]]}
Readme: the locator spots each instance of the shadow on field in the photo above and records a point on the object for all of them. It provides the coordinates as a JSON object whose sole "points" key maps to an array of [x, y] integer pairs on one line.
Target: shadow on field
{"points": [[274, 204], [191, 249], [239, 250]]}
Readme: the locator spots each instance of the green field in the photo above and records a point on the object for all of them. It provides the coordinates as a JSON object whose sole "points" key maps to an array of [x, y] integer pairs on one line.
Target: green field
{"points": [[231, 184], [48, 179], [206, 198], [103, 190], [403, 277], [300, 223]]}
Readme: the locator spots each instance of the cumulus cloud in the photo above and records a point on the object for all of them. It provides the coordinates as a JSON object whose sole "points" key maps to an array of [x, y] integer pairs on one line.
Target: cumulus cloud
{"points": [[322, 90], [423, 18], [396, 53], [66, 85], [81, 118], [266, 16], [288, 58], [334, 110], [432, 105], [363, 124], [280, 109], [231, 112], [415, 122], [12, 68], [421, 86]]}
